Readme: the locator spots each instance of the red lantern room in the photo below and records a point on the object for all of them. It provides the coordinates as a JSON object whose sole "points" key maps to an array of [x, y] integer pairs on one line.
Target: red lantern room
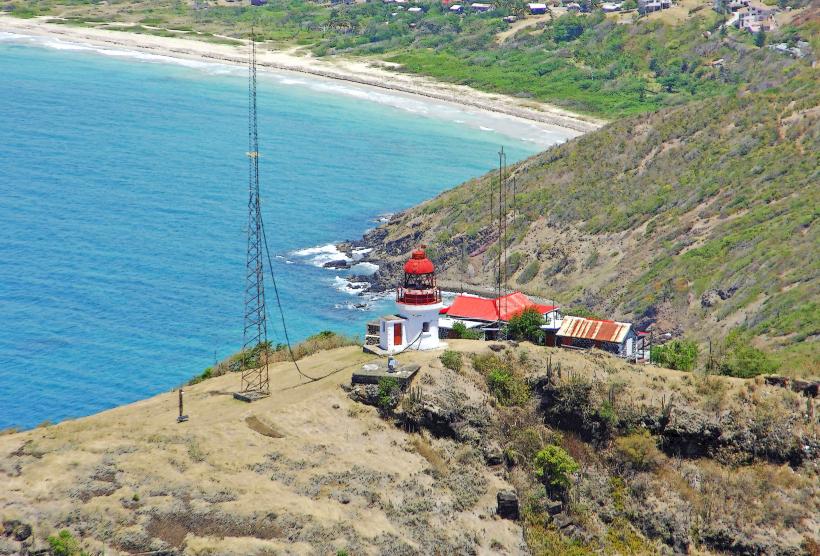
{"points": [[419, 287]]}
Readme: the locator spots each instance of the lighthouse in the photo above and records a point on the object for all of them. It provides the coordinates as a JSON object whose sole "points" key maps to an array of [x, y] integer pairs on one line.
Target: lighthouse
{"points": [[418, 301]]}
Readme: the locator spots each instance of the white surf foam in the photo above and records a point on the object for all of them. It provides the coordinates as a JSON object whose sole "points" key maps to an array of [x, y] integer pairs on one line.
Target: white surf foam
{"points": [[322, 254], [347, 286], [364, 269]]}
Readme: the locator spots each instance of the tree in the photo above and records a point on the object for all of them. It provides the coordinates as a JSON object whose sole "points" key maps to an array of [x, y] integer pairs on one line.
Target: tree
{"points": [[554, 466], [760, 38], [526, 325]]}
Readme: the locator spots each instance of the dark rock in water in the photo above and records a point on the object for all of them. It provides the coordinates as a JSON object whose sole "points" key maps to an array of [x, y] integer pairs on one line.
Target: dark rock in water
{"points": [[507, 504], [492, 453], [342, 263]]}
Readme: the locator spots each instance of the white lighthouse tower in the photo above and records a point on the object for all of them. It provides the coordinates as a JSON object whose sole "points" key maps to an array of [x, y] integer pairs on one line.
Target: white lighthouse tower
{"points": [[418, 301]]}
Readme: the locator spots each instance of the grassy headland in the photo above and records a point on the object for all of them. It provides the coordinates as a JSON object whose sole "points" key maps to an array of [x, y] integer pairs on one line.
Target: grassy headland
{"points": [[605, 457]]}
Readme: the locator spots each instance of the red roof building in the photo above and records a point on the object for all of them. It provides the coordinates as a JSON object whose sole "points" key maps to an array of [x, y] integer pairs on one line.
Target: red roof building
{"points": [[491, 310]]}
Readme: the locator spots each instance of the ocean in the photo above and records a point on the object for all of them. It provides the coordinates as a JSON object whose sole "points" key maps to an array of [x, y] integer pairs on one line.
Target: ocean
{"points": [[123, 191]]}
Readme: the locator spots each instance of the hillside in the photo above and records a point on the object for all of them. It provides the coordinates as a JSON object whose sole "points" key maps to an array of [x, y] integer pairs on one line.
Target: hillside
{"points": [[723, 465], [696, 219]]}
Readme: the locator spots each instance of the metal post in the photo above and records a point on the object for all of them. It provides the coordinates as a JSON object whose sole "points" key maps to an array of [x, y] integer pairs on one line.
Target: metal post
{"points": [[182, 418]]}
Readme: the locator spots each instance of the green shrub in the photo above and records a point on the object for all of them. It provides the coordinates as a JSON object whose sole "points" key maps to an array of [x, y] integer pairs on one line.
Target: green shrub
{"points": [[677, 354], [460, 331], [530, 271], [389, 389], [507, 388], [639, 451], [553, 466], [513, 263], [743, 360], [452, 360], [64, 544], [526, 325]]}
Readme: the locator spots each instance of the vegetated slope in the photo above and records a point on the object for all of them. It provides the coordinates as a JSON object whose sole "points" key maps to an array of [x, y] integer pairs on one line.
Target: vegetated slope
{"points": [[700, 218], [657, 461]]}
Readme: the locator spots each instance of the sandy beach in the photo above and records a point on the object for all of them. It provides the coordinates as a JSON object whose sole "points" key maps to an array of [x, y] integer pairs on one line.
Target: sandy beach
{"points": [[369, 73]]}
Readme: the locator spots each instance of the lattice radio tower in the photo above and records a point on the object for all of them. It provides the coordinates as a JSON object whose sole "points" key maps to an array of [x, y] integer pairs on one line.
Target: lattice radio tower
{"points": [[255, 381]]}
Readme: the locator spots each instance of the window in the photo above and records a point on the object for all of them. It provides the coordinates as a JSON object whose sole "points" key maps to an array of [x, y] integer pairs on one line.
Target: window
{"points": [[425, 327]]}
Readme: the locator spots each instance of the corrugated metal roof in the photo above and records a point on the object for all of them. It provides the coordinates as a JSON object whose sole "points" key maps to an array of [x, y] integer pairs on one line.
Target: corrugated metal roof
{"points": [[593, 329]]}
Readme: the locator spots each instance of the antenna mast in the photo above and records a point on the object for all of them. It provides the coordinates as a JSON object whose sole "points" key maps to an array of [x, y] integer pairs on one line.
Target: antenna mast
{"points": [[502, 247], [255, 382]]}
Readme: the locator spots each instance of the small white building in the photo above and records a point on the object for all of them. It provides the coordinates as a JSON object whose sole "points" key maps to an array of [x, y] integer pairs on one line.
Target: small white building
{"points": [[418, 301], [537, 8]]}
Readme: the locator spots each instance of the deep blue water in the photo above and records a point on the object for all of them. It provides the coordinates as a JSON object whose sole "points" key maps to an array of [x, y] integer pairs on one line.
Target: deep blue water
{"points": [[123, 191]]}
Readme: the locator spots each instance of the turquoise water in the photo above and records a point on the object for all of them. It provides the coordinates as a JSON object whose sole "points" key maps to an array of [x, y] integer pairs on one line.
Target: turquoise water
{"points": [[123, 190]]}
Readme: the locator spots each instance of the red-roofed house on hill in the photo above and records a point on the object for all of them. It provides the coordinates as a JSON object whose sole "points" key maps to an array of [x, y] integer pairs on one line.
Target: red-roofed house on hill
{"points": [[609, 335], [486, 314]]}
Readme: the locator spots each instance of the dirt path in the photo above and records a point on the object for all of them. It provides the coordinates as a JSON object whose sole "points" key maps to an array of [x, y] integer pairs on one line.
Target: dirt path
{"points": [[527, 22]]}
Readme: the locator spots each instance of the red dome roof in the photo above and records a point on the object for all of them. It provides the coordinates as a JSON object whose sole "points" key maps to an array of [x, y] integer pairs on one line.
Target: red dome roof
{"points": [[419, 263]]}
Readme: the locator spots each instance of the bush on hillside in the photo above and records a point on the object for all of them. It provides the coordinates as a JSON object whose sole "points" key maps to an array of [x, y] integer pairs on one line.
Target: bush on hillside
{"points": [[526, 325], [529, 272], [503, 380], [452, 360], [681, 355], [460, 331], [743, 360], [389, 390], [639, 451], [64, 544], [507, 388], [513, 263], [554, 467]]}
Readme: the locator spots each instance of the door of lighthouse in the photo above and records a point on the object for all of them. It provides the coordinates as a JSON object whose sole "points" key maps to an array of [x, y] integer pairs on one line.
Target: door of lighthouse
{"points": [[397, 334]]}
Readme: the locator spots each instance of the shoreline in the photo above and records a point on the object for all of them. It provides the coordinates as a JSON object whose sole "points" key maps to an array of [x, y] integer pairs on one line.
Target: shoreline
{"points": [[362, 72]]}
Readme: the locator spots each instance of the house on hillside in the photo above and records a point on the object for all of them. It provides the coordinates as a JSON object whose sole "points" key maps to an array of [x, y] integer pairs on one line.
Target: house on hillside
{"points": [[481, 8], [487, 316], [537, 8], [755, 18], [649, 6], [727, 6], [609, 335]]}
